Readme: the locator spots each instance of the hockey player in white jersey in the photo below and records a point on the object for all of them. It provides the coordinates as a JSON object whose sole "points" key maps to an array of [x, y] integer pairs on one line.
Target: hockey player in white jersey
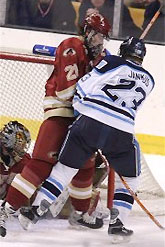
{"points": [[107, 100]]}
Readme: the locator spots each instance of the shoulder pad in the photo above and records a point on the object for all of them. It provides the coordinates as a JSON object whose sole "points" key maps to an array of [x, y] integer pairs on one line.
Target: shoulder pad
{"points": [[108, 63]]}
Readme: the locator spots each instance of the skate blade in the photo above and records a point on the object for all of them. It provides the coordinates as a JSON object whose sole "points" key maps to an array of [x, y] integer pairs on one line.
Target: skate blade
{"points": [[103, 216], [79, 228], [76, 226], [24, 222], [117, 239]]}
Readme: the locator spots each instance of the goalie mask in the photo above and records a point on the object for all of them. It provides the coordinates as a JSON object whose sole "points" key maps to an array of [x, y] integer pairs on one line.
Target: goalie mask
{"points": [[95, 29], [15, 140], [133, 48]]}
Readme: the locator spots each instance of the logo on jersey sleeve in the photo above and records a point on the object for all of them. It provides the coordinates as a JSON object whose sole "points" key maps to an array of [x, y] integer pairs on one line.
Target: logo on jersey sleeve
{"points": [[101, 64], [69, 52]]}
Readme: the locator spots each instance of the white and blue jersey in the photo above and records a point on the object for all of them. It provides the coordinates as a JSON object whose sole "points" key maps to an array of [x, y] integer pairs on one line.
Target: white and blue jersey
{"points": [[113, 92]]}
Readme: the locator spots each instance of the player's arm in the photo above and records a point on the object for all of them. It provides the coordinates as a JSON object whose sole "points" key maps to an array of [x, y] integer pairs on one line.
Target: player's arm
{"points": [[60, 87]]}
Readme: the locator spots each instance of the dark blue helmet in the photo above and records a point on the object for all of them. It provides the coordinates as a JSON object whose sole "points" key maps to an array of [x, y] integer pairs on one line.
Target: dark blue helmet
{"points": [[133, 47]]}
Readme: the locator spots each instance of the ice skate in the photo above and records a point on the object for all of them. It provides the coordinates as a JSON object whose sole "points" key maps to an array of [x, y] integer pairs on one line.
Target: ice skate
{"points": [[30, 215], [79, 219], [102, 212], [117, 232], [3, 218], [6, 211]]}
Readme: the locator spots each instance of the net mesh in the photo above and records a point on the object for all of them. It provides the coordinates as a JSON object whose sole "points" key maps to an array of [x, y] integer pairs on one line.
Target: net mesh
{"points": [[22, 89]]}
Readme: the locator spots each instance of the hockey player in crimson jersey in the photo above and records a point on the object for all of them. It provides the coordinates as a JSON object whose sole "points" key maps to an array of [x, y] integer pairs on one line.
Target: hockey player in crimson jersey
{"points": [[74, 57], [14, 143], [107, 99]]}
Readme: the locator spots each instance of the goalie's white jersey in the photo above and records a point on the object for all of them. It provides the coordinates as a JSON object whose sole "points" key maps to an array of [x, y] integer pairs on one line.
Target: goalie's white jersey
{"points": [[113, 92]]}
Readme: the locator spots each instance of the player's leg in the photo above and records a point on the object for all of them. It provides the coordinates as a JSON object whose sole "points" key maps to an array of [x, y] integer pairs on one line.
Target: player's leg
{"points": [[52, 189], [80, 188], [57, 181], [126, 162], [82, 197], [85, 196], [50, 138]]}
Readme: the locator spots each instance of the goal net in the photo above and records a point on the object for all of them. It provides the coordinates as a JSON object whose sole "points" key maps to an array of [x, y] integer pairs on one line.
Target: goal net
{"points": [[22, 89]]}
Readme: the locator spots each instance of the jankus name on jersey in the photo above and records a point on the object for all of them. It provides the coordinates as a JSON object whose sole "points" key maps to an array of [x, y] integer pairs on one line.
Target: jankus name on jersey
{"points": [[138, 76]]}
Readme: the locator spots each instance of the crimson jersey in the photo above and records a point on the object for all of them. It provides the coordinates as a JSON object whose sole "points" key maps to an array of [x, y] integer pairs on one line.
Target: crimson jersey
{"points": [[7, 174], [71, 63]]}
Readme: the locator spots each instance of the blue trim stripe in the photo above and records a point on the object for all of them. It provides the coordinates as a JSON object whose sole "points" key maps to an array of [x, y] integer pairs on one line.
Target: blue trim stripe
{"points": [[100, 96], [122, 191], [107, 113], [110, 100], [122, 204], [80, 89], [138, 156], [58, 184], [131, 111], [109, 107], [75, 98], [48, 194]]}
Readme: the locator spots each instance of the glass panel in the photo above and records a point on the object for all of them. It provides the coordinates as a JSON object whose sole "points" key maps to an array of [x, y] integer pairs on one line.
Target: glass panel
{"points": [[142, 12], [127, 17]]}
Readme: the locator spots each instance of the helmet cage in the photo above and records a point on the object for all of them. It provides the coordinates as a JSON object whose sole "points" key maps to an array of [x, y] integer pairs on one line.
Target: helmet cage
{"points": [[94, 24], [94, 50], [15, 138]]}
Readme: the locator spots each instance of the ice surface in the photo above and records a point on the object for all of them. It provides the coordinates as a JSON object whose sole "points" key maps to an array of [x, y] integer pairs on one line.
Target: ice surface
{"points": [[58, 233]]}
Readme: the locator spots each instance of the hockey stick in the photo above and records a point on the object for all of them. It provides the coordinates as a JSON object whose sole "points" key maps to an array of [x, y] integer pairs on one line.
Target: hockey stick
{"points": [[111, 175], [136, 198], [140, 204], [96, 196], [106, 173], [111, 185], [150, 23]]}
